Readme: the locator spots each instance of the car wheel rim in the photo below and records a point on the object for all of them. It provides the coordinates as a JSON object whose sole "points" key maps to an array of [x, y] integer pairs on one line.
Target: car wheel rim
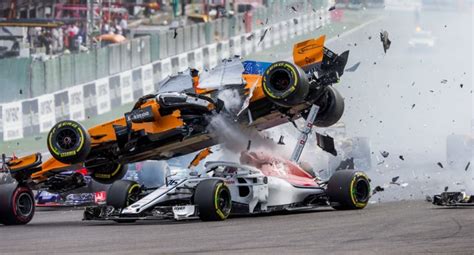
{"points": [[224, 201], [67, 139], [361, 191], [24, 204]]}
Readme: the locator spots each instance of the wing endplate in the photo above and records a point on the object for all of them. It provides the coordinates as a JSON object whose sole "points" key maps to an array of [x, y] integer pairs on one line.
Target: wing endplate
{"points": [[309, 52]]}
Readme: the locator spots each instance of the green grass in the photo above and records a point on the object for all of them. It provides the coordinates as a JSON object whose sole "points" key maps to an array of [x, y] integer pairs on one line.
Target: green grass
{"points": [[283, 51]]}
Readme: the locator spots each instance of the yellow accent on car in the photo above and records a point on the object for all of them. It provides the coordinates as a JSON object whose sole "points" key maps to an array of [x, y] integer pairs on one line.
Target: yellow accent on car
{"points": [[218, 211]]}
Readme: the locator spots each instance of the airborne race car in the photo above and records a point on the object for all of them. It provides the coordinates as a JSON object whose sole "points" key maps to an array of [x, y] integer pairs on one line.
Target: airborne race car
{"points": [[260, 184], [175, 121]]}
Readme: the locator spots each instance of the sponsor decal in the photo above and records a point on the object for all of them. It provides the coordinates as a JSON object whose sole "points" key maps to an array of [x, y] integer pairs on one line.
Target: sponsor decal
{"points": [[12, 121], [76, 103], [47, 114], [30, 117], [126, 88], [147, 77], [102, 90]]}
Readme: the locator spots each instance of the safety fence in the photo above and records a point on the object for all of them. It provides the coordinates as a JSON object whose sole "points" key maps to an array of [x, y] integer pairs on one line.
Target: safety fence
{"points": [[143, 63]]}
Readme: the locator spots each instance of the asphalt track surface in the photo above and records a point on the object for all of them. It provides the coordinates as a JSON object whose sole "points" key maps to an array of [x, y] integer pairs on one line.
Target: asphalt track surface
{"points": [[386, 228]]}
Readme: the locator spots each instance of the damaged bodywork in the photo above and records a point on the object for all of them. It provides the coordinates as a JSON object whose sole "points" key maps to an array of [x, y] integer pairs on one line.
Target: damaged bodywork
{"points": [[452, 199]]}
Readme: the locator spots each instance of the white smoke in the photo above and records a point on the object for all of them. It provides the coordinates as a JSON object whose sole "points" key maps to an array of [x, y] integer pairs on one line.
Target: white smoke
{"points": [[232, 136]]}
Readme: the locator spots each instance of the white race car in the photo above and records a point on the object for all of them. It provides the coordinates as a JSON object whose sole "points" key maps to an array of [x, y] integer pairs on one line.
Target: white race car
{"points": [[259, 184]]}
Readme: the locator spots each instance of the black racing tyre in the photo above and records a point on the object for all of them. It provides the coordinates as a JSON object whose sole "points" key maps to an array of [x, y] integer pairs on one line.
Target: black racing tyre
{"points": [[69, 142], [17, 204], [331, 108], [121, 194], [285, 84], [213, 199], [108, 173], [348, 189]]}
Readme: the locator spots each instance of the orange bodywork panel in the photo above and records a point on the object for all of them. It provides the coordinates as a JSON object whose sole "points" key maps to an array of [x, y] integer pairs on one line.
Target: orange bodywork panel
{"points": [[49, 165], [309, 52], [29, 161], [106, 133], [199, 157], [254, 80]]}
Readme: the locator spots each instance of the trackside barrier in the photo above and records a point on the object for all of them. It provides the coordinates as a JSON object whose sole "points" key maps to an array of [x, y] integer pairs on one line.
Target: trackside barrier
{"points": [[142, 64]]}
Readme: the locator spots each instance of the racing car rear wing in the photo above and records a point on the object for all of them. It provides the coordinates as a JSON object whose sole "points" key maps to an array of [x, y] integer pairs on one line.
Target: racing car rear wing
{"points": [[312, 55]]}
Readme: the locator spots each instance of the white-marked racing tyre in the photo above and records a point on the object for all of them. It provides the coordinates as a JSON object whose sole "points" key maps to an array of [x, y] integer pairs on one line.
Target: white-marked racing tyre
{"points": [[17, 204], [213, 199], [69, 142], [348, 189]]}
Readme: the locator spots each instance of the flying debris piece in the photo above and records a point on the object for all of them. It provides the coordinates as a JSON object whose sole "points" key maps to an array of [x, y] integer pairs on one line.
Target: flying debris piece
{"points": [[353, 68], [467, 166], [395, 179], [175, 33], [266, 21], [21, 91], [401, 157], [326, 143], [250, 37], [375, 63], [381, 162], [412, 106], [440, 165], [37, 138], [263, 36], [377, 189], [370, 37], [314, 10], [461, 85], [384, 154], [429, 199], [431, 90], [444, 81], [295, 21], [249, 144], [385, 41], [446, 188], [280, 142], [332, 8], [413, 83], [293, 8], [199, 157]]}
